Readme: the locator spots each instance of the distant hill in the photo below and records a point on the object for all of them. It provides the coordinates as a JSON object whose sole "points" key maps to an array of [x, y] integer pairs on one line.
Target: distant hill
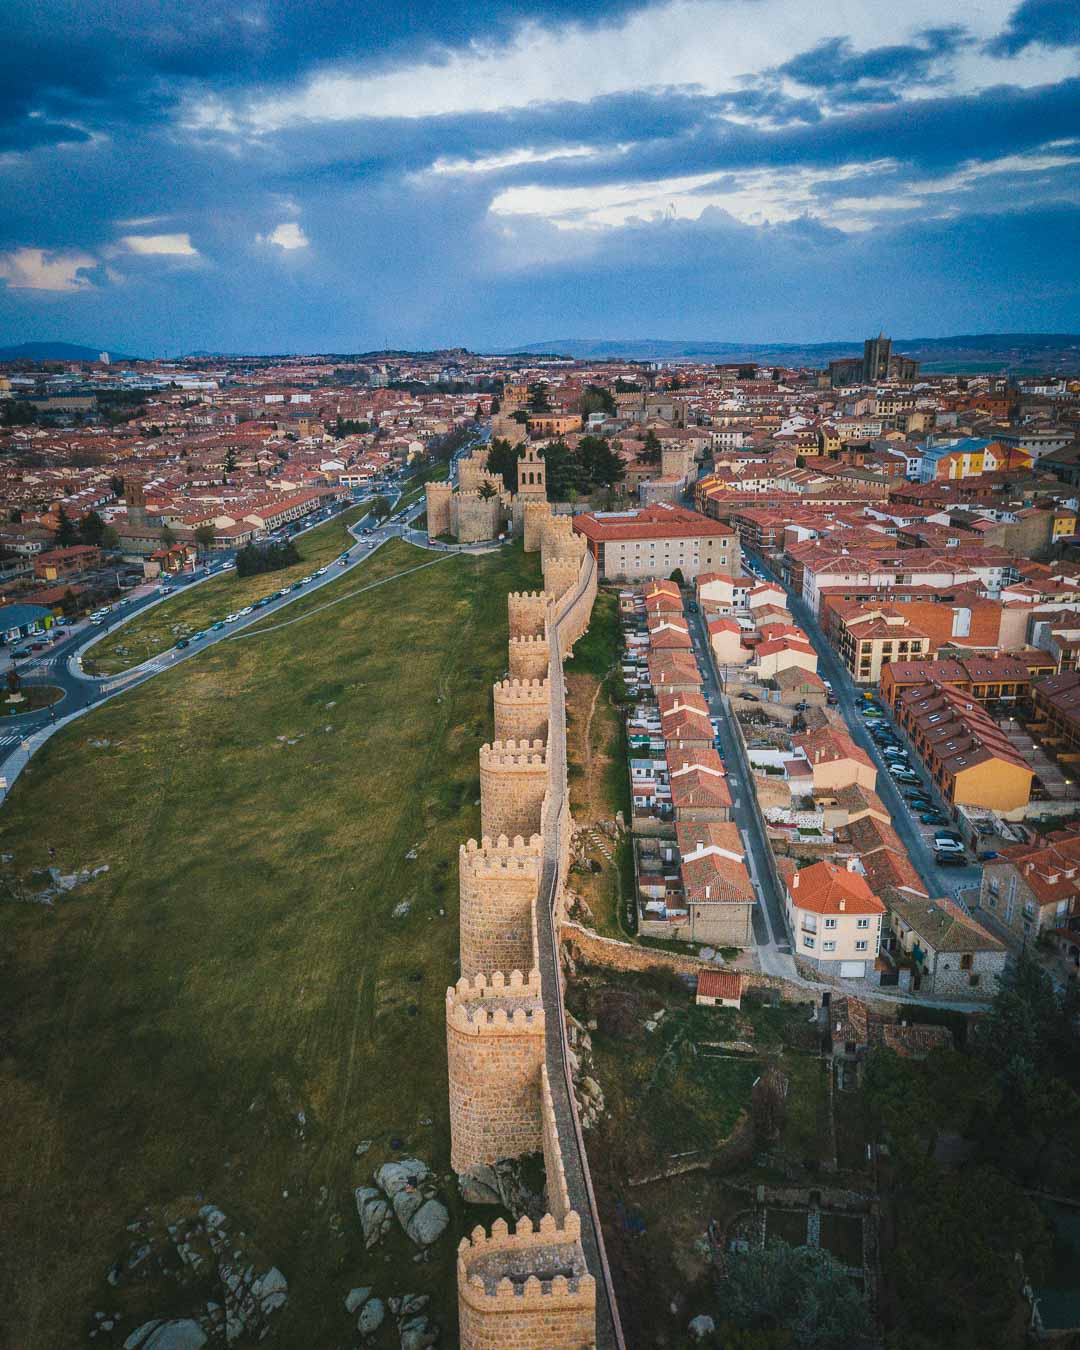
{"points": [[57, 351], [1049, 352]]}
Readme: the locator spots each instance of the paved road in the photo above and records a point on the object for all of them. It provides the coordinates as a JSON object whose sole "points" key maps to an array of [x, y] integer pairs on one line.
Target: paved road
{"points": [[770, 923], [938, 880]]}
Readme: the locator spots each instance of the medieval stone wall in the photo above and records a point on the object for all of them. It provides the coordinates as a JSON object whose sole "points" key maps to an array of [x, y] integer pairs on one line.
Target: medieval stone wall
{"points": [[498, 886], [530, 1289], [528, 613], [438, 508], [521, 710], [530, 658], [513, 780]]}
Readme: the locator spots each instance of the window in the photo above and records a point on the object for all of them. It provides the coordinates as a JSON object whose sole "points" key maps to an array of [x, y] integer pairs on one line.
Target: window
{"points": [[808, 942], [830, 923], [828, 946], [862, 923], [809, 923], [966, 961], [862, 946]]}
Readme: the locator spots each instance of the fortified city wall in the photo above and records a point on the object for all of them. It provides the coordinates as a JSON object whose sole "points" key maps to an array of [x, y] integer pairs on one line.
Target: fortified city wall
{"points": [[545, 1287]]}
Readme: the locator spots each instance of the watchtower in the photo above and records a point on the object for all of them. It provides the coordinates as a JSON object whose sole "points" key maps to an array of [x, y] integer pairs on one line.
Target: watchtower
{"points": [[528, 612], [529, 658], [532, 473], [495, 1051], [498, 882], [513, 781], [438, 508], [522, 708]]}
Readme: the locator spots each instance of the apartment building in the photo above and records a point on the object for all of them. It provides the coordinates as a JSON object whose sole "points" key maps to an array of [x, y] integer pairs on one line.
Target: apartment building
{"points": [[967, 755], [983, 679], [1057, 711], [868, 637]]}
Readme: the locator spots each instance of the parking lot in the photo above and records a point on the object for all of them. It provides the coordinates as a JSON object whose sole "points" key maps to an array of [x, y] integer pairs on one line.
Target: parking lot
{"points": [[921, 800]]}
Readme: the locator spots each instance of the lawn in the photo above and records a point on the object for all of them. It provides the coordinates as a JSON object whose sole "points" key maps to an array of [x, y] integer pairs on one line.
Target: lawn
{"points": [[34, 697], [234, 1006], [158, 629]]}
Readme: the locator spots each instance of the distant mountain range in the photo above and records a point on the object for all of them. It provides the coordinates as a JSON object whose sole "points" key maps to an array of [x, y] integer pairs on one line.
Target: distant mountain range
{"points": [[988, 352], [57, 351]]}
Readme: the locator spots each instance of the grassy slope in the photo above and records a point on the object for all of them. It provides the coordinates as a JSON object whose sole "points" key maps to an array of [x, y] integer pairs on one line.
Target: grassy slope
{"points": [[158, 629], [161, 1028]]}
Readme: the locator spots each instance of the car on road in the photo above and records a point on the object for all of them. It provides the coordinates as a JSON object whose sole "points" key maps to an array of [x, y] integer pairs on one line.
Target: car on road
{"points": [[20, 654], [950, 859], [217, 627], [197, 637], [904, 775], [304, 580], [932, 818], [319, 572], [949, 837], [297, 586], [231, 618], [243, 613], [343, 562], [182, 643]]}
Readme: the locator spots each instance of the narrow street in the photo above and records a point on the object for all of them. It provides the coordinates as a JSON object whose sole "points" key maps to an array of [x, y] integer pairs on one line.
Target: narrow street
{"points": [[770, 924], [938, 880]]}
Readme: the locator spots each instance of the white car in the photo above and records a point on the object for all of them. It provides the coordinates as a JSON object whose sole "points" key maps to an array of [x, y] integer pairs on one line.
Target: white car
{"points": [[244, 612], [231, 618]]}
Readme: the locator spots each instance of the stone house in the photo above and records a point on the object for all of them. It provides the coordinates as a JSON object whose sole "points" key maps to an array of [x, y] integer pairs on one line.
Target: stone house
{"points": [[953, 956], [1033, 888]]}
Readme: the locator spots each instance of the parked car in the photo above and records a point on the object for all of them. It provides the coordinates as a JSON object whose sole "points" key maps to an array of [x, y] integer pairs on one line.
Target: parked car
{"points": [[932, 818], [181, 644], [197, 637], [950, 859], [217, 627]]}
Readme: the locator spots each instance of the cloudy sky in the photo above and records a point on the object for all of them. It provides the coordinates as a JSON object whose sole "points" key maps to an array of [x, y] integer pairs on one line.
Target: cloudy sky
{"points": [[281, 175]]}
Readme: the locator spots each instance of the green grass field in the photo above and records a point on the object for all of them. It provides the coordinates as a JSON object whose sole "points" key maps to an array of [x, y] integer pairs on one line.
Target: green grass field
{"points": [[158, 629], [163, 1026]]}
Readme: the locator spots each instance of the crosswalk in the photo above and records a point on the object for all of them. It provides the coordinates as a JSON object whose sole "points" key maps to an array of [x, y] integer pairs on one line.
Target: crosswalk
{"points": [[43, 663], [9, 738]]}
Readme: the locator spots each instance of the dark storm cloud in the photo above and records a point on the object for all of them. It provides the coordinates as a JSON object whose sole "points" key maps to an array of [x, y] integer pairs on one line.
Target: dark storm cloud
{"points": [[1055, 23], [835, 63], [126, 60]]}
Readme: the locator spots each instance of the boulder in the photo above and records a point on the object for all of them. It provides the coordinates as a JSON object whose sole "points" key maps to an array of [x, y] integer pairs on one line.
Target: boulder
{"points": [[428, 1224], [480, 1186], [417, 1334], [701, 1326], [371, 1317], [182, 1334], [271, 1290], [374, 1214], [395, 1176], [356, 1298]]}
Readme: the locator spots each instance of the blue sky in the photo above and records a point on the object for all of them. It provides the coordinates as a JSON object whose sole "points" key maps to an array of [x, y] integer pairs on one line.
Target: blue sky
{"points": [[273, 175]]}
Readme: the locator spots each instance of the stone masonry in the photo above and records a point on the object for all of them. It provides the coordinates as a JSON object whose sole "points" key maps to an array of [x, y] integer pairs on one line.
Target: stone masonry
{"points": [[495, 1051], [498, 884], [529, 658], [438, 508], [530, 1289], [521, 710], [536, 513], [513, 781], [528, 612]]}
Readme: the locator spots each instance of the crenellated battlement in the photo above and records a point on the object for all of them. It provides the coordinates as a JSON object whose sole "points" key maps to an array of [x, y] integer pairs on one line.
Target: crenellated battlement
{"points": [[513, 754], [491, 859], [529, 657], [497, 985], [528, 612], [529, 1289], [522, 709]]}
